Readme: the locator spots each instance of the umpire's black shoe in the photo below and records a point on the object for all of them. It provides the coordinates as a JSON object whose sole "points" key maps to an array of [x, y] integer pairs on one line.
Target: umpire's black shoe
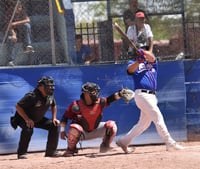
{"points": [[55, 154], [22, 156]]}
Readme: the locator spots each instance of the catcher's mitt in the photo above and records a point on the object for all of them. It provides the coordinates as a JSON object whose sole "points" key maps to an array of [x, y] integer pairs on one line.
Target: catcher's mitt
{"points": [[127, 94]]}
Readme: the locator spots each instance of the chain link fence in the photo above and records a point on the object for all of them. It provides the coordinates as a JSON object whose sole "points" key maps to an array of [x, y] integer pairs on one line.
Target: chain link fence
{"points": [[41, 35], [174, 36]]}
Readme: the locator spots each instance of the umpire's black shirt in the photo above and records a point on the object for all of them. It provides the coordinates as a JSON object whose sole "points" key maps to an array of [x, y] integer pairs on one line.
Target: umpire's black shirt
{"points": [[35, 105]]}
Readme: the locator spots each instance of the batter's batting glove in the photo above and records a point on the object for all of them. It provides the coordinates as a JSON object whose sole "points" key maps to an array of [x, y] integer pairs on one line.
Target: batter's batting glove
{"points": [[140, 52], [127, 94]]}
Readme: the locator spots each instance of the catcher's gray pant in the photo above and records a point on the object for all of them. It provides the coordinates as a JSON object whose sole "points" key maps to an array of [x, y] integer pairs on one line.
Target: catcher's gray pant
{"points": [[149, 112], [97, 133]]}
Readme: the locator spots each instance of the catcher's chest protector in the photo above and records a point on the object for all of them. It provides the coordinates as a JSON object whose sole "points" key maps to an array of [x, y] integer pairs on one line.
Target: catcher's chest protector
{"points": [[90, 116]]}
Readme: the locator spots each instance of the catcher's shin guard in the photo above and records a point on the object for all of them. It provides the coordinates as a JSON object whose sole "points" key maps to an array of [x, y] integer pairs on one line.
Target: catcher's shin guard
{"points": [[73, 135], [111, 130]]}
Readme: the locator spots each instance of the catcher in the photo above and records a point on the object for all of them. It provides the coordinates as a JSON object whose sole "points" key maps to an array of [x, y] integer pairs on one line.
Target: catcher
{"points": [[86, 114]]}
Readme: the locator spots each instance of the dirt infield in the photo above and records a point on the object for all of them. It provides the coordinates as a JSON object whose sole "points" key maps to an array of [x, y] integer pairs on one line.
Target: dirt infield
{"points": [[144, 157]]}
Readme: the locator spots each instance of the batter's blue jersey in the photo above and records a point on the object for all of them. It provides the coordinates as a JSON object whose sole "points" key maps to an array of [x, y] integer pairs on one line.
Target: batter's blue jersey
{"points": [[145, 77]]}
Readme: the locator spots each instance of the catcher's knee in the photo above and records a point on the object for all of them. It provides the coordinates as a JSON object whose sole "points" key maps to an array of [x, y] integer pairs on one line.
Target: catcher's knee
{"points": [[74, 134], [111, 130], [111, 126]]}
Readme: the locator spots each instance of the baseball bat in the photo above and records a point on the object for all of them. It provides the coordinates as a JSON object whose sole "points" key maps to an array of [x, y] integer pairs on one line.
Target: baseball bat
{"points": [[123, 35]]}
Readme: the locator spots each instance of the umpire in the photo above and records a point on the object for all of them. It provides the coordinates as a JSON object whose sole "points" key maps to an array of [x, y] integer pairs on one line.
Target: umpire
{"points": [[30, 111]]}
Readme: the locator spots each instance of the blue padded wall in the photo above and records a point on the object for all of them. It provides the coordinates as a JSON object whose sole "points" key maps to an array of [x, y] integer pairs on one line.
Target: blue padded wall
{"points": [[15, 82]]}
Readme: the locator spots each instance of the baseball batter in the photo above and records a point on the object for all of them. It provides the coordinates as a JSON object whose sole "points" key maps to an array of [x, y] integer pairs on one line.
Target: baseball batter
{"points": [[144, 73]]}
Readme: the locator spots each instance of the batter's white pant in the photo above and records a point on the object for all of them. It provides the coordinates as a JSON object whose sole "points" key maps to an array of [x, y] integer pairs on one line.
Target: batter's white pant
{"points": [[149, 112]]}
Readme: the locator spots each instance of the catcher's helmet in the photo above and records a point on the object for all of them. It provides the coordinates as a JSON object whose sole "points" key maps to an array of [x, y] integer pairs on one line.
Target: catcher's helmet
{"points": [[48, 84], [93, 89]]}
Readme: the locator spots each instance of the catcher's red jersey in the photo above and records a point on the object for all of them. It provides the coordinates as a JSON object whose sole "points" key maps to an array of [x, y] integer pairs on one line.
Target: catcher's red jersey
{"points": [[87, 116]]}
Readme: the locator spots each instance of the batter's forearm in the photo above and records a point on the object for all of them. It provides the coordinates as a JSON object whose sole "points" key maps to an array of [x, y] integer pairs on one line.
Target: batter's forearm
{"points": [[132, 67]]}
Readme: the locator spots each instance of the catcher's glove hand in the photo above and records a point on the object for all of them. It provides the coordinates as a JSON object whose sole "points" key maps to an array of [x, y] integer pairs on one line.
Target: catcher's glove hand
{"points": [[127, 94]]}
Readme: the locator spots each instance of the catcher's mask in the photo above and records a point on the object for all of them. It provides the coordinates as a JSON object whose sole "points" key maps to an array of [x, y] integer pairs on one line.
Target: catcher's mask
{"points": [[93, 89], [48, 84]]}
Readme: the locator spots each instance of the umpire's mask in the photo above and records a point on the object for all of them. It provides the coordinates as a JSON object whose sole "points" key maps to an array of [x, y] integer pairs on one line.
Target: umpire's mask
{"points": [[48, 84]]}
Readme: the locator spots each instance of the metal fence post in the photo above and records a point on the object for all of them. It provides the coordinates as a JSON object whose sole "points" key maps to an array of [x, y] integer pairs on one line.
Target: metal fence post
{"points": [[52, 33]]}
